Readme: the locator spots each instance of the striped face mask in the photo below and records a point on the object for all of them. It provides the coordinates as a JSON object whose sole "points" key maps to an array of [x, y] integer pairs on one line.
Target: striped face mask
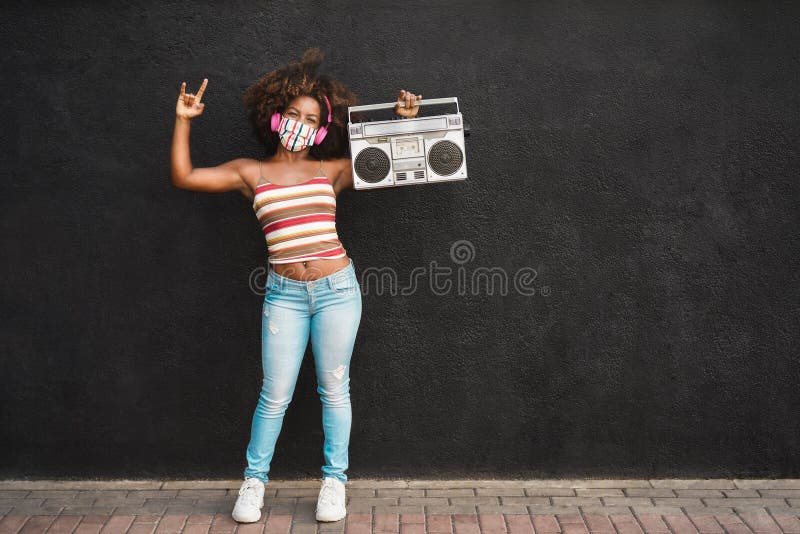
{"points": [[294, 135]]}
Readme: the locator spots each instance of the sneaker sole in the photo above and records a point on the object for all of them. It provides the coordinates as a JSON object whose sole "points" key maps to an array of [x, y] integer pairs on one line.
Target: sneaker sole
{"points": [[328, 519]]}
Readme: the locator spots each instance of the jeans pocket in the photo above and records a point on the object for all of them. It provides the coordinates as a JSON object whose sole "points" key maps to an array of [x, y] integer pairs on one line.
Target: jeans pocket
{"points": [[272, 288], [346, 285]]}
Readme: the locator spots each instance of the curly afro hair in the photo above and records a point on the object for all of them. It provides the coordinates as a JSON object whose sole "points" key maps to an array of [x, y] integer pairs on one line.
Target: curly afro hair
{"points": [[276, 89]]}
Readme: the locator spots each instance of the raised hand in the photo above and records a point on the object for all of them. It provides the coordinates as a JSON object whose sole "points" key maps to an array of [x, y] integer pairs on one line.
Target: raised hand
{"points": [[411, 109], [189, 105]]}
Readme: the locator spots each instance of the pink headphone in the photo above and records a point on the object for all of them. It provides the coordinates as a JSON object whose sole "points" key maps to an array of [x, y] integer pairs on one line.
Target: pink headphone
{"points": [[275, 122]]}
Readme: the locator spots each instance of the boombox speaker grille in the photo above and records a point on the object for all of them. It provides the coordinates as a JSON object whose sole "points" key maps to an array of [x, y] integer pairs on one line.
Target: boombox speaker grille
{"points": [[372, 165], [445, 158]]}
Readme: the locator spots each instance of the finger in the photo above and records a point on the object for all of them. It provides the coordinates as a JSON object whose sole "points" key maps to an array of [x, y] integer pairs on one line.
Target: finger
{"points": [[400, 97], [202, 88], [183, 89]]}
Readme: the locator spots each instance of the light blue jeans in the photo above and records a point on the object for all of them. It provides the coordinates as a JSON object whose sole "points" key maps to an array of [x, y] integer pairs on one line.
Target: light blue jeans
{"points": [[329, 309]]}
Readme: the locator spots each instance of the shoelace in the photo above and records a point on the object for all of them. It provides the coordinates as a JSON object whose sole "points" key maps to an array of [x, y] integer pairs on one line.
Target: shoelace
{"points": [[328, 493], [250, 491]]}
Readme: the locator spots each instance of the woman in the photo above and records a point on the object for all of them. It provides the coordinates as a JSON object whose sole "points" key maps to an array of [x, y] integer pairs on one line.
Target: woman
{"points": [[312, 288]]}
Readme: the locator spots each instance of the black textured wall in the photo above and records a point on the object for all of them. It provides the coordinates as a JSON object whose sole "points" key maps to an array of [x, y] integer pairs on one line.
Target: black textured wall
{"points": [[641, 158]]}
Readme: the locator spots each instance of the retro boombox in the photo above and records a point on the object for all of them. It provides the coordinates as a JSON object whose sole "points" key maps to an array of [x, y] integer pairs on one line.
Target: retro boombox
{"points": [[414, 151]]}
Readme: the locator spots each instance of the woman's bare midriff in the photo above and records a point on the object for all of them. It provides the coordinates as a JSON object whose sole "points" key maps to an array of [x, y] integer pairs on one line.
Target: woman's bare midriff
{"points": [[311, 269]]}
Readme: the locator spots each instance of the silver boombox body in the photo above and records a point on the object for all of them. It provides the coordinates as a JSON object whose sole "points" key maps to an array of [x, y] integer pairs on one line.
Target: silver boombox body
{"points": [[407, 151]]}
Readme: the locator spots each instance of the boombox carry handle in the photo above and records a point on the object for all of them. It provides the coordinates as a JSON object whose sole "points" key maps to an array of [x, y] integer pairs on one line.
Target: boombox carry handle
{"points": [[391, 105]]}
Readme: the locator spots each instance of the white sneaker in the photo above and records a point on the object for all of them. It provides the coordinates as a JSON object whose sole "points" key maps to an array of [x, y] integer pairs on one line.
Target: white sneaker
{"points": [[250, 501], [330, 504]]}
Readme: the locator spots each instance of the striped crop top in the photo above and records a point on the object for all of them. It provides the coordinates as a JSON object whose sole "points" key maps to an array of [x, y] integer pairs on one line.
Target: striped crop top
{"points": [[298, 220]]}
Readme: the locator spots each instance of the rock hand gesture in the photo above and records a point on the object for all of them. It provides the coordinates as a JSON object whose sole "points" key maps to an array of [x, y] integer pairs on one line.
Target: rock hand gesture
{"points": [[189, 105]]}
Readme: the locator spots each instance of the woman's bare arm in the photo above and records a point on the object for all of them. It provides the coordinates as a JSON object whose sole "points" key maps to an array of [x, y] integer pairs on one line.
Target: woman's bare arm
{"points": [[219, 179]]}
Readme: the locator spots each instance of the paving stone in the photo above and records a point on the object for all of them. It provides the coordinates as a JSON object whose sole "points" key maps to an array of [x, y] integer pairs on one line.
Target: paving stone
{"points": [[400, 509], [675, 501], [498, 492], [519, 524], [534, 509], [709, 509], [374, 484], [24, 509], [96, 494], [170, 524], [12, 523], [744, 502], [202, 493], [37, 524], [607, 510], [117, 524], [511, 509], [399, 492], [545, 523], [13, 494], [451, 492], [629, 501], [382, 501], [200, 484], [67, 502], [88, 510], [426, 501], [706, 523], [760, 522], [649, 492], [78, 484], [697, 493], [659, 510], [779, 493], [152, 494], [598, 492], [63, 524], [576, 501], [549, 492], [147, 510], [693, 483], [20, 501], [782, 483], [116, 501], [652, 523], [475, 500], [505, 501], [204, 519], [680, 524], [787, 522], [455, 509], [754, 493], [52, 494], [598, 522]]}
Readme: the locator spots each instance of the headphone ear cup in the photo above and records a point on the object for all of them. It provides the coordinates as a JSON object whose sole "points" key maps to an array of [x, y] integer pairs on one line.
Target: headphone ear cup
{"points": [[275, 122], [320, 135]]}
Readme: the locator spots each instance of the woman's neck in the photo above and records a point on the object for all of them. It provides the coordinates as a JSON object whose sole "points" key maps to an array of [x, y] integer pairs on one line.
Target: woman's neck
{"points": [[287, 156]]}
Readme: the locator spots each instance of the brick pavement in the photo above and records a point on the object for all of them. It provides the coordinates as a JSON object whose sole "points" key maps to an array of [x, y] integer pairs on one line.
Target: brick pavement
{"points": [[408, 506]]}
